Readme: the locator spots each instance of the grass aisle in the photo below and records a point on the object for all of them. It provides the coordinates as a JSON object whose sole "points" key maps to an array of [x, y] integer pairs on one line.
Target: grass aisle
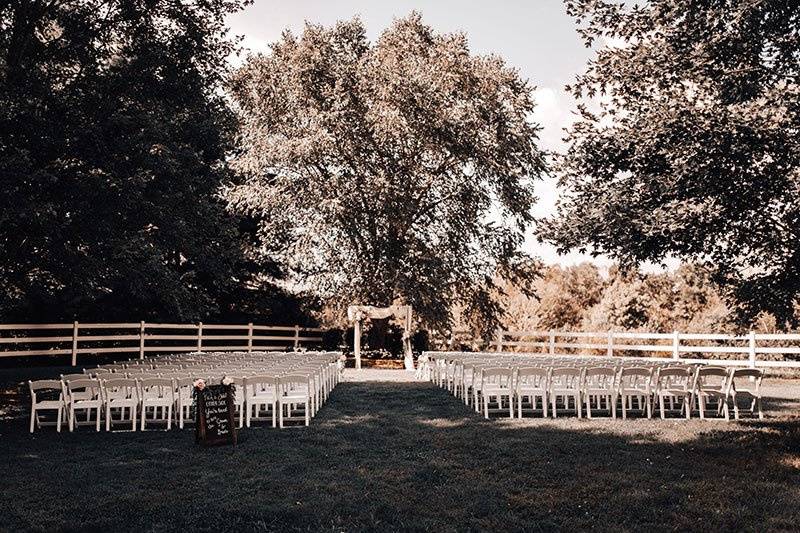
{"points": [[389, 456]]}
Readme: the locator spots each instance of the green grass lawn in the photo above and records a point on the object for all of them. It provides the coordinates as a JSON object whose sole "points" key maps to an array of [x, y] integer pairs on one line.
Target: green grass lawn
{"points": [[408, 456]]}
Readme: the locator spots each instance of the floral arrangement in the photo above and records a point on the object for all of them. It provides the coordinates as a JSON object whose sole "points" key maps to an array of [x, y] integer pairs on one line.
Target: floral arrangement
{"points": [[199, 385]]}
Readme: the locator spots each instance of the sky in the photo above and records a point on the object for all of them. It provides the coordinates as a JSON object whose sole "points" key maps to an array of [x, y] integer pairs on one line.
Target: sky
{"points": [[535, 36]]}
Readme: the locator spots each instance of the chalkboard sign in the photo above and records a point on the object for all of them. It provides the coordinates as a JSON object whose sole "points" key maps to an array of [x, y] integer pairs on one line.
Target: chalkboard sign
{"points": [[215, 415]]}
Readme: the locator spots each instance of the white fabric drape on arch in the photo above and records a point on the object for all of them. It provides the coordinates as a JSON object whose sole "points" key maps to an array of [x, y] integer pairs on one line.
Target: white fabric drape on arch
{"points": [[358, 313]]}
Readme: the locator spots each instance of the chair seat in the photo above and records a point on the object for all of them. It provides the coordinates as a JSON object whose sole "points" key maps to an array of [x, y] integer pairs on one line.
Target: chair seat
{"points": [[497, 390], [266, 397], [49, 404], [86, 404], [673, 392], [636, 392], [294, 396]]}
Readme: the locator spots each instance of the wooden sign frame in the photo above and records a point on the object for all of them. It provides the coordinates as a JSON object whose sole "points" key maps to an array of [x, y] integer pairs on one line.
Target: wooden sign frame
{"points": [[208, 407]]}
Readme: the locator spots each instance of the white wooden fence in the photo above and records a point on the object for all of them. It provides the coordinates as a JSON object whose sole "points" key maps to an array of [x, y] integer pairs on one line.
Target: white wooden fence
{"points": [[755, 350], [20, 340]]}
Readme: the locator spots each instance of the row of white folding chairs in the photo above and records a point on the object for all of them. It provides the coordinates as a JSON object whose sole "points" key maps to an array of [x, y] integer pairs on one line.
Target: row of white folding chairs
{"points": [[319, 377], [692, 386]]}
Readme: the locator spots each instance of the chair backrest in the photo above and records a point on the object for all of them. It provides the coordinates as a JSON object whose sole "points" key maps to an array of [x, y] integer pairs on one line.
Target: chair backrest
{"points": [[711, 378], [497, 377], [51, 387], [566, 377], [600, 377], [635, 377], [260, 382], [740, 384], [532, 377], [290, 382], [119, 388], [157, 388], [87, 385], [674, 377]]}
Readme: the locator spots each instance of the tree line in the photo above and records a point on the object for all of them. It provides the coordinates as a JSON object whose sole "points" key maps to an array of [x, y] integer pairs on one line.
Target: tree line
{"points": [[143, 177]]}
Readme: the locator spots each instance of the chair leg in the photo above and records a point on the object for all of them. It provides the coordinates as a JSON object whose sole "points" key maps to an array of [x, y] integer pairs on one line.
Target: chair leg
{"points": [[613, 400], [553, 398], [760, 412], [280, 414], [625, 407], [486, 406], [144, 415], [544, 404], [589, 407], [702, 406], [578, 405], [510, 406], [519, 406], [133, 418], [274, 406], [307, 413], [108, 417], [97, 422], [33, 417], [60, 416]]}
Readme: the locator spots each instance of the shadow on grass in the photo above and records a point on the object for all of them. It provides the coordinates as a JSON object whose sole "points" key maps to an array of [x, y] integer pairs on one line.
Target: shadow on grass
{"points": [[408, 456]]}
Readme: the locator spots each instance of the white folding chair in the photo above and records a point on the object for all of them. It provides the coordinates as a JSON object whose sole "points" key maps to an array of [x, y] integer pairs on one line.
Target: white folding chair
{"points": [[599, 383], [746, 382], [261, 394], [532, 383], [157, 393], [566, 384], [184, 387], [120, 393], [711, 383], [83, 394], [49, 388], [673, 383], [294, 389], [497, 383], [635, 384]]}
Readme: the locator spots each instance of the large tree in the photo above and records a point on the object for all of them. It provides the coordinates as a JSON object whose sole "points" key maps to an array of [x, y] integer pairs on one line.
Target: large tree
{"points": [[113, 142], [399, 170], [688, 142]]}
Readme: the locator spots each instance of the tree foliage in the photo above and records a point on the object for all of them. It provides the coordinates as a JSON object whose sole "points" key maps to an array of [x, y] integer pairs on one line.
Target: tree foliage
{"points": [[694, 149], [400, 170], [578, 298], [113, 140]]}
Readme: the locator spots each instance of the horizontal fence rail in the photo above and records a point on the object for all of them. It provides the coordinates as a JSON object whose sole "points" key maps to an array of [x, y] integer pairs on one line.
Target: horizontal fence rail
{"points": [[73, 339], [754, 350]]}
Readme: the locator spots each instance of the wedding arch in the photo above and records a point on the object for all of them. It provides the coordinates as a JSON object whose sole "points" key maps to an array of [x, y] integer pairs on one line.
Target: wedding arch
{"points": [[358, 313]]}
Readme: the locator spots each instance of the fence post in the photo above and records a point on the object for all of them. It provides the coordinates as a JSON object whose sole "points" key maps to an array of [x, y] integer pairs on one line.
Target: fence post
{"points": [[296, 337], [499, 340], [610, 350], [141, 339], [75, 343], [552, 340], [752, 349], [249, 337], [676, 345], [199, 336]]}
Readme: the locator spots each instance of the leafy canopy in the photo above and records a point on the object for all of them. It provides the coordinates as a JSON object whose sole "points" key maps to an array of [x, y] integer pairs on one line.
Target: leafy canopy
{"points": [[400, 170], [113, 142], [694, 150]]}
